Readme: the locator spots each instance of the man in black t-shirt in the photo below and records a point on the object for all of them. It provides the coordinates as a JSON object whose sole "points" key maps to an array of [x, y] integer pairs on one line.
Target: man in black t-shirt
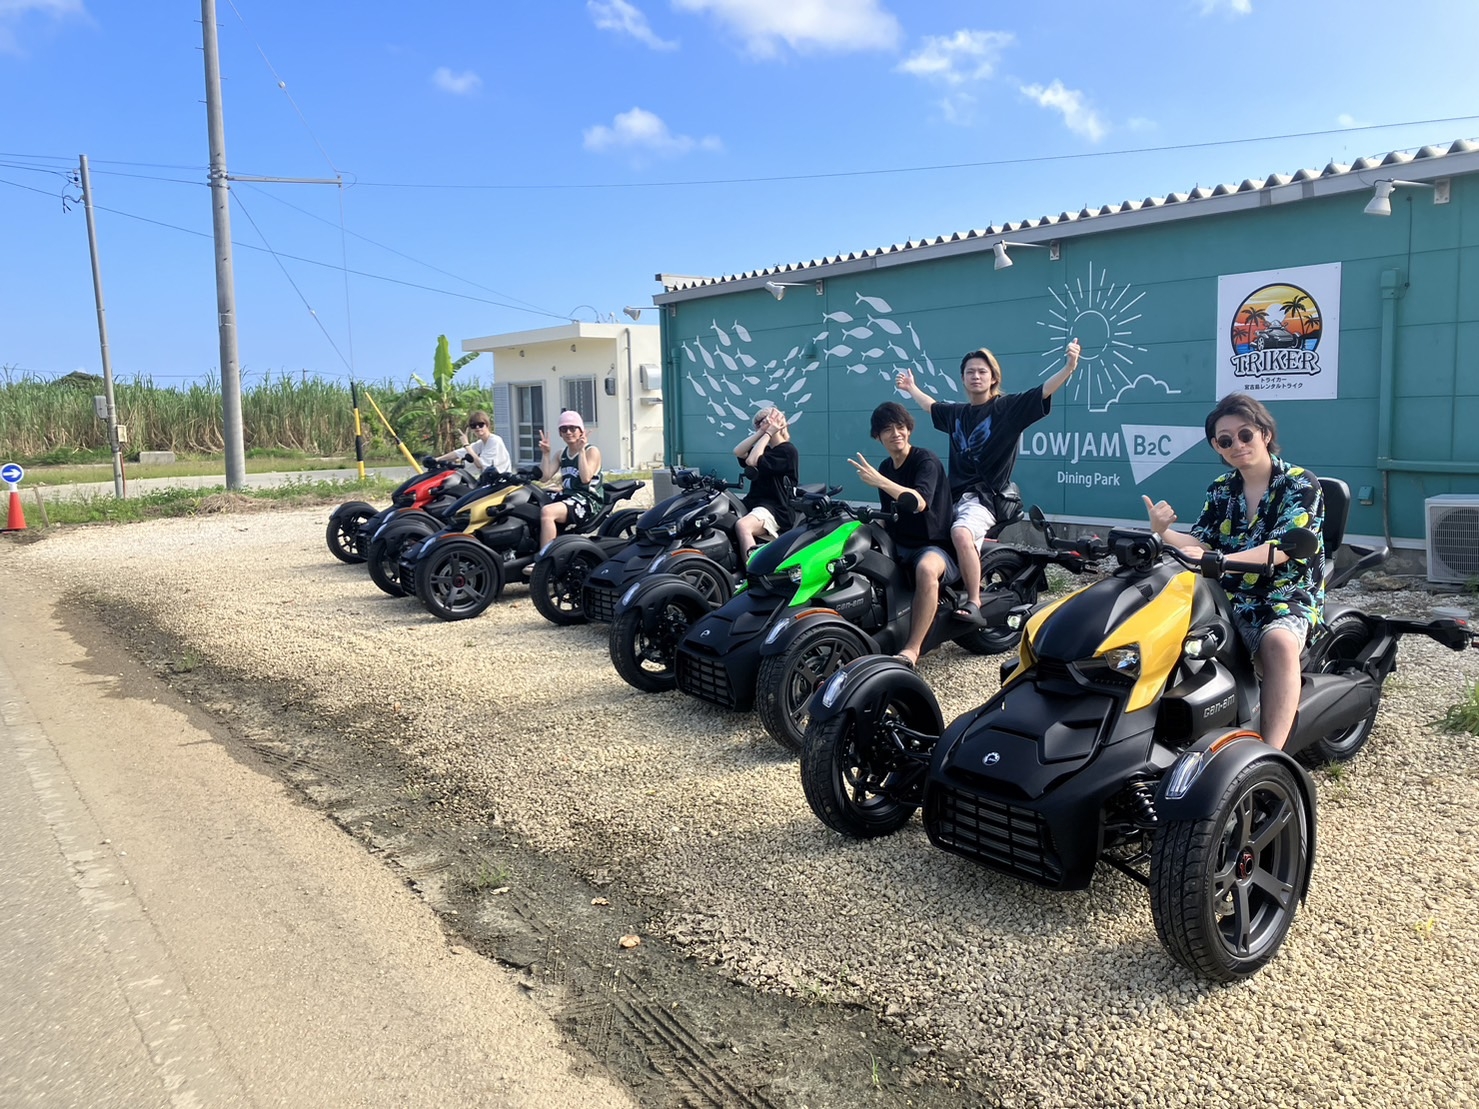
{"points": [[921, 534], [984, 434]]}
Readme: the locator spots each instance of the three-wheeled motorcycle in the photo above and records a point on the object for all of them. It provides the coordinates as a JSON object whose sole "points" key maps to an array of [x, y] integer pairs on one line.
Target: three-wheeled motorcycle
{"points": [[1125, 732], [352, 524]]}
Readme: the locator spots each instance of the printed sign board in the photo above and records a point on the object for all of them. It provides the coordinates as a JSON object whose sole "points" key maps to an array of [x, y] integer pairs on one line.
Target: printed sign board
{"points": [[1278, 333]]}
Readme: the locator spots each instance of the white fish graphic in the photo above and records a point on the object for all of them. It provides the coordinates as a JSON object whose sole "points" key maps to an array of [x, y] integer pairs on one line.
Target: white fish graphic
{"points": [[717, 407], [691, 356], [801, 384], [899, 351], [726, 425], [930, 365], [813, 364], [917, 344], [875, 304], [713, 384], [739, 413], [741, 332], [697, 388], [858, 369], [778, 373], [886, 375], [950, 381], [729, 363], [719, 331], [874, 353], [858, 333], [889, 326], [932, 390], [732, 387], [708, 358], [772, 364], [837, 317], [794, 352], [750, 379], [710, 418], [841, 350], [794, 420], [803, 400], [820, 337], [746, 359]]}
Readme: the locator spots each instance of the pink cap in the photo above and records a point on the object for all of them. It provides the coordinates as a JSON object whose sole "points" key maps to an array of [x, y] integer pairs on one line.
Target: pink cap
{"points": [[571, 418]]}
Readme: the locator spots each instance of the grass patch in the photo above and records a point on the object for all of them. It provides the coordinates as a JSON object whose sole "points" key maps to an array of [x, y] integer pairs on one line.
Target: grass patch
{"points": [[486, 876], [1464, 716], [104, 508], [257, 462]]}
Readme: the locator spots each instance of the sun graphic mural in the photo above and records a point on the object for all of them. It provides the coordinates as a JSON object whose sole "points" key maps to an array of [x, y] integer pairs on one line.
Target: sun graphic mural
{"points": [[1099, 314]]}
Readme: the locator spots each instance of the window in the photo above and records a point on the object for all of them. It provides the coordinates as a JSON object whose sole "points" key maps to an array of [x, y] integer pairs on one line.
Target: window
{"points": [[579, 393]]}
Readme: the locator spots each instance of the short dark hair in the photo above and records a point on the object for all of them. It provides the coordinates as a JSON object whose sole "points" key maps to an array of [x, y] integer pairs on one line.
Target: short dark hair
{"points": [[889, 414], [1247, 408]]}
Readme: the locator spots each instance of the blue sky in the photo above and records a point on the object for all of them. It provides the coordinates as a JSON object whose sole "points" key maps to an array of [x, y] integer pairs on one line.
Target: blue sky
{"points": [[515, 163]]}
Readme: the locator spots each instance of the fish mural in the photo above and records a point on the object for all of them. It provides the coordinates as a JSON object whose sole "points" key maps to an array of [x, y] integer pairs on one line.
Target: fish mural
{"points": [[738, 328], [875, 304], [729, 363], [858, 333], [889, 326], [719, 331], [836, 317], [841, 350]]}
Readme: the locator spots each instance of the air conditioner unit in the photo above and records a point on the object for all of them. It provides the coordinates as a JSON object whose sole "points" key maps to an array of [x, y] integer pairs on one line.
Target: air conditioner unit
{"points": [[1453, 538]]}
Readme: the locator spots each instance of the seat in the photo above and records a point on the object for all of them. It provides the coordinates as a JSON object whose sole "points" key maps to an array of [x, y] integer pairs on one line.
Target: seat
{"points": [[1337, 496]]}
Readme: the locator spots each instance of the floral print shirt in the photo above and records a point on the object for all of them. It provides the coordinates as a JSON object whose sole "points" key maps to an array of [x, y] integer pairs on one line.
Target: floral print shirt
{"points": [[1227, 525]]}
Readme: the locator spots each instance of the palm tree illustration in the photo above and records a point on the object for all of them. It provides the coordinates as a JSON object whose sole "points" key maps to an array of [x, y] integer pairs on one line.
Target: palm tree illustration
{"points": [[1254, 320], [1295, 306]]}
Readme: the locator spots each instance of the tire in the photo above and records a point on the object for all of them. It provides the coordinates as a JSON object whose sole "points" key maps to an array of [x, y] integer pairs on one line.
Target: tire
{"points": [[621, 525], [1224, 889], [342, 533], [649, 660], [1339, 645], [1000, 567], [705, 575], [786, 681], [384, 556], [458, 579], [558, 596], [847, 790]]}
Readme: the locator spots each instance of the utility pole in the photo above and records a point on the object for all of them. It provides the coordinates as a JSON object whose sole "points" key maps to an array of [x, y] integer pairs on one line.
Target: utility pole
{"points": [[97, 289], [231, 429]]}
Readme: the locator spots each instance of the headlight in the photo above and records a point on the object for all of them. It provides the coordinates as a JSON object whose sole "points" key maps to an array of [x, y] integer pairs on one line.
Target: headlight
{"points": [[775, 632], [1187, 767], [833, 689], [1124, 660], [425, 546], [626, 598], [664, 533], [794, 575]]}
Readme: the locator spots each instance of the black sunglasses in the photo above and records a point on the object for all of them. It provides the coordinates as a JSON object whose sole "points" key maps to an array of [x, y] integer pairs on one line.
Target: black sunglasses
{"points": [[1246, 435], [477, 423]]}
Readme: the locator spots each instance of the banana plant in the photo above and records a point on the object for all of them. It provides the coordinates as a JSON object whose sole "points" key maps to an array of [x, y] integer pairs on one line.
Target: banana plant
{"points": [[433, 413]]}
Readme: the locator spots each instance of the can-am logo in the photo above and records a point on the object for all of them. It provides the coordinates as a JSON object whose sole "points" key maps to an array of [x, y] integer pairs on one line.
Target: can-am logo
{"points": [[992, 758], [1276, 330]]}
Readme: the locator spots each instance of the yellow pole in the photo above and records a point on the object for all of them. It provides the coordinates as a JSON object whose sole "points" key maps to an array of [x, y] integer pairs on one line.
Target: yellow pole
{"points": [[394, 438]]}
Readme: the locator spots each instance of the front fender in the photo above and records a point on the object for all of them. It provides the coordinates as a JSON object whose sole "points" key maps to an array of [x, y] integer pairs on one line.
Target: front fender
{"points": [[866, 684], [562, 548], [787, 627], [650, 594], [1212, 763]]}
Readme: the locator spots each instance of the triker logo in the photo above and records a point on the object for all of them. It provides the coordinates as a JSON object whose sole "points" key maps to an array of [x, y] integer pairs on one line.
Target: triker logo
{"points": [[1276, 330]]}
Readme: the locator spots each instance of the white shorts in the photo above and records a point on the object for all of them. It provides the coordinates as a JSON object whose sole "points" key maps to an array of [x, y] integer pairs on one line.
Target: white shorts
{"points": [[768, 526], [974, 516]]}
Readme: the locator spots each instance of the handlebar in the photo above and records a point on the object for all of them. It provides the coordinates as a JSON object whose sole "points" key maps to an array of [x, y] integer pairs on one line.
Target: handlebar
{"points": [[1136, 549]]}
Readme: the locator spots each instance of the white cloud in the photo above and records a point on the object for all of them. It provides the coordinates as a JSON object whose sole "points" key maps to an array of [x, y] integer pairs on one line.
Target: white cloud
{"points": [[640, 131], [624, 19], [1232, 7], [1345, 119], [14, 12], [1139, 124], [963, 57], [959, 108], [803, 25], [1078, 116], [458, 84]]}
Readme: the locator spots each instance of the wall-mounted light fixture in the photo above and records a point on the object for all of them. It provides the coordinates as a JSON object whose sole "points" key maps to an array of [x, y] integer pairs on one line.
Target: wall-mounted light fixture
{"points": [[1381, 201], [778, 289], [999, 248]]}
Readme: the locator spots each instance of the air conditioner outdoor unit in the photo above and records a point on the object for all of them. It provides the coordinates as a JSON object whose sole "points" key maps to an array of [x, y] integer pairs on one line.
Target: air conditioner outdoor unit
{"points": [[1453, 538]]}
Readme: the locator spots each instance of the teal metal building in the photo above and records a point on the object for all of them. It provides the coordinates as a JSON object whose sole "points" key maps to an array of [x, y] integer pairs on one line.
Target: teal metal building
{"points": [[1346, 298]]}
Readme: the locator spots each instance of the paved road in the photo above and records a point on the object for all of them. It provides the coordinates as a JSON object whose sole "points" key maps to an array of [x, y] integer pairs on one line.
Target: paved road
{"points": [[176, 931]]}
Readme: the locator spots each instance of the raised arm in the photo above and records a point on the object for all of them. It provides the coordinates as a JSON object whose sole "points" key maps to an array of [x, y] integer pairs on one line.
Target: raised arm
{"points": [[904, 380], [1057, 381]]}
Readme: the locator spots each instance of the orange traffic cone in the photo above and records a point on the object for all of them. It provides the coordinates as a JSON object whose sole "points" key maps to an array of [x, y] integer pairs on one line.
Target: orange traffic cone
{"points": [[17, 520]]}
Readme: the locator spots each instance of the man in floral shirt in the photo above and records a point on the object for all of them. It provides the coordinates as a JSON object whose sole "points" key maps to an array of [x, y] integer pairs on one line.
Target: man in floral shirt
{"points": [[1247, 510]]}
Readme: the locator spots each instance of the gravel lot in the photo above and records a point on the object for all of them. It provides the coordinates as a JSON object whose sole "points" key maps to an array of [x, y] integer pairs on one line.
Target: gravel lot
{"points": [[1051, 999]]}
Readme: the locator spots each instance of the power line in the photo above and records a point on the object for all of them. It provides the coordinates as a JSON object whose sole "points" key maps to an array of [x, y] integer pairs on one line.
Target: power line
{"points": [[307, 261]]}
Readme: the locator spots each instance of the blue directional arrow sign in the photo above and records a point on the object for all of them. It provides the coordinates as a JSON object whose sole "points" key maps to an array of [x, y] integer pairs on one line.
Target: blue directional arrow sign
{"points": [[12, 473]]}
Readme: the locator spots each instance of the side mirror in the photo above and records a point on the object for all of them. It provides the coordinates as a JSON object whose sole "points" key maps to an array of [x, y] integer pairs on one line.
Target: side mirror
{"points": [[1299, 543], [1038, 519], [909, 502]]}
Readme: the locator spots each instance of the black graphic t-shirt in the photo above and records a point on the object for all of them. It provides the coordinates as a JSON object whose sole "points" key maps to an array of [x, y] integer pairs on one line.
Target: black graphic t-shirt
{"points": [[778, 470], [984, 437], [923, 473]]}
